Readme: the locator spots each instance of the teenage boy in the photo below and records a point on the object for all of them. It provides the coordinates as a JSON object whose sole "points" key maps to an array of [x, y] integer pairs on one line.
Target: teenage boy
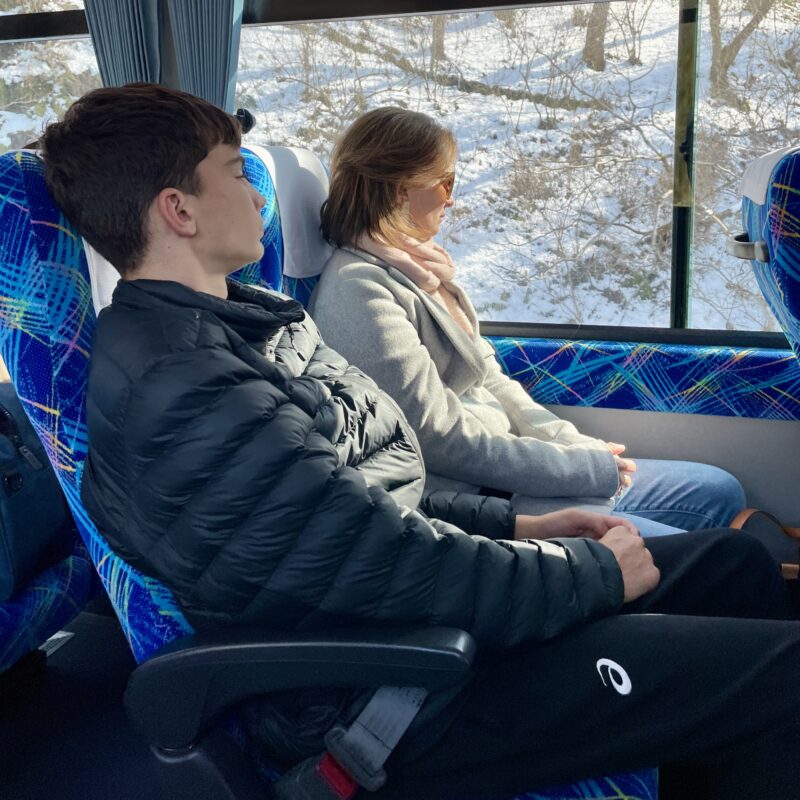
{"points": [[236, 458]]}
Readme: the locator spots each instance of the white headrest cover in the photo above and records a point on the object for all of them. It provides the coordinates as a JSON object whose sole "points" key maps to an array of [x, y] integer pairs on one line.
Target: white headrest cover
{"points": [[301, 187], [755, 181], [103, 277]]}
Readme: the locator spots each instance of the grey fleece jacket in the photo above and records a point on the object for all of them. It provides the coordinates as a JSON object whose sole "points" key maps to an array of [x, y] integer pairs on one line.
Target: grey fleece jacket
{"points": [[475, 424]]}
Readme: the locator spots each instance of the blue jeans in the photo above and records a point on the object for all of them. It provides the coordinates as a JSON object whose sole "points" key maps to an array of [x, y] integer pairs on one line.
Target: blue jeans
{"points": [[670, 496], [666, 497]]}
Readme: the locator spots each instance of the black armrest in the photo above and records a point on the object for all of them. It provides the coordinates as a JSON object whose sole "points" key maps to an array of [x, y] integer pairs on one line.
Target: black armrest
{"points": [[176, 695]]}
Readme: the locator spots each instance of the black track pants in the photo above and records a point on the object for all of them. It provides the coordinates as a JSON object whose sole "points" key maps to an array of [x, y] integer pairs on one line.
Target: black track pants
{"points": [[702, 677]]}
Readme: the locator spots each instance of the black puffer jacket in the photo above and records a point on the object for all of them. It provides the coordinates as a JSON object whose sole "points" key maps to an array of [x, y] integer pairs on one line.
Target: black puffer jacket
{"points": [[247, 466]]}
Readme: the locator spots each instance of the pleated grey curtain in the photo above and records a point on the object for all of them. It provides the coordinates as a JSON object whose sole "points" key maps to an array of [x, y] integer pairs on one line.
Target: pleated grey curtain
{"points": [[206, 36], [126, 39], [189, 44]]}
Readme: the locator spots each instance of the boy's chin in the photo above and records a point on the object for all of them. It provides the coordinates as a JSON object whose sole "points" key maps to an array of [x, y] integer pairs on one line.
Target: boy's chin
{"points": [[255, 255]]}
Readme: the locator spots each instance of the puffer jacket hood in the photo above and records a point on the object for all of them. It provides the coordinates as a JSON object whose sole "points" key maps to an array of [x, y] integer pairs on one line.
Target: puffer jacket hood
{"points": [[246, 465]]}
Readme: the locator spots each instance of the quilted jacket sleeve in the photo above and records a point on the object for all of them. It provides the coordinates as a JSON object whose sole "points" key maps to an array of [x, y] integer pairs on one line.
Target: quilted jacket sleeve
{"points": [[492, 517], [237, 502]]}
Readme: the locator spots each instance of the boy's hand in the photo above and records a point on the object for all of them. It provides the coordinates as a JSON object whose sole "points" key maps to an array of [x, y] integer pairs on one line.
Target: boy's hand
{"points": [[570, 522], [639, 574]]}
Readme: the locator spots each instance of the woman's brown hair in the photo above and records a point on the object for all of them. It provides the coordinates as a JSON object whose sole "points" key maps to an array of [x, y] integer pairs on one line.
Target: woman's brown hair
{"points": [[381, 151]]}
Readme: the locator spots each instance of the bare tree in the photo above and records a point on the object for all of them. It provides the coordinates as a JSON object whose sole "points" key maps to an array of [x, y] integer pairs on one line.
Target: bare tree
{"points": [[437, 39], [723, 55], [631, 22], [594, 49]]}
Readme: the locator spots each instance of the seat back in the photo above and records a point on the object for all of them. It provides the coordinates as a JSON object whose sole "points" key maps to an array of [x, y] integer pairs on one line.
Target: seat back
{"points": [[771, 218], [301, 185], [47, 324]]}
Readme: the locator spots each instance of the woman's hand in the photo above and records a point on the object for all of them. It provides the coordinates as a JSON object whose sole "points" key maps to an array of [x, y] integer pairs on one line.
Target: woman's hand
{"points": [[625, 466], [570, 522]]}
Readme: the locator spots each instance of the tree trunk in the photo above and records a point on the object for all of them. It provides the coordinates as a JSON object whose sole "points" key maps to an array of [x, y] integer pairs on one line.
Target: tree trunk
{"points": [[594, 49], [723, 56], [714, 25], [437, 39]]}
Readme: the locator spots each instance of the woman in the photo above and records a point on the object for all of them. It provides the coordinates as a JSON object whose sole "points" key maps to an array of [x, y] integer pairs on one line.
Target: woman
{"points": [[388, 301]]}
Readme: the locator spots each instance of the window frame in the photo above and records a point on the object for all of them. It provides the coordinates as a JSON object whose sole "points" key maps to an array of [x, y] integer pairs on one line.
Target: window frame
{"points": [[42, 25], [66, 24]]}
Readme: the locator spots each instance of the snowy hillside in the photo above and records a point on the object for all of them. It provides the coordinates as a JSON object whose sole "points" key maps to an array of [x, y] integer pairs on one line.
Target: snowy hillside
{"points": [[564, 184]]}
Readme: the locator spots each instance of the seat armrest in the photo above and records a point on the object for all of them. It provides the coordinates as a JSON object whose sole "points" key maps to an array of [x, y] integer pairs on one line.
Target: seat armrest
{"points": [[177, 694]]}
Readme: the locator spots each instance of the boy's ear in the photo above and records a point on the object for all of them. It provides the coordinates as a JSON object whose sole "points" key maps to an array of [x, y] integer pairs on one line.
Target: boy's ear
{"points": [[176, 211]]}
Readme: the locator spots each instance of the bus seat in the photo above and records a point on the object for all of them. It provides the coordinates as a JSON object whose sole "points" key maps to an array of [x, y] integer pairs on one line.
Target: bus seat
{"points": [[53, 597], [295, 184], [47, 323], [771, 240], [301, 187], [49, 601]]}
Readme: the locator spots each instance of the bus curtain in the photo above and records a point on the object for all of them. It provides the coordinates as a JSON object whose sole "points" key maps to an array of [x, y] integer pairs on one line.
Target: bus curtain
{"points": [[186, 44], [126, 40], [206, 36]]}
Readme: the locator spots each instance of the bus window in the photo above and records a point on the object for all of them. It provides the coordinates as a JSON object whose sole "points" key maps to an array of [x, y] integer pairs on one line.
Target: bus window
{"points": [[38, 6], [562, 208], [565, 118], [39, 82], [748, 105]]}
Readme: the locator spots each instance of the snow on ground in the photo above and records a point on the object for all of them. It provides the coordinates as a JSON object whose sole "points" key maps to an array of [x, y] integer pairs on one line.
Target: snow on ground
{"points": [[40, 80], [562, 214]]}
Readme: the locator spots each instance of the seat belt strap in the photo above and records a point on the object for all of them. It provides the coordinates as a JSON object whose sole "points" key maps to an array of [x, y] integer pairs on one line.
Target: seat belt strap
{"points": [[355, 755], [362, 749]]}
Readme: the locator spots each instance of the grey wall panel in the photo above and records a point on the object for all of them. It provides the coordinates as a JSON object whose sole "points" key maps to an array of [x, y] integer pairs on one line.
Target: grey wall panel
{"points": [[763, 454]]}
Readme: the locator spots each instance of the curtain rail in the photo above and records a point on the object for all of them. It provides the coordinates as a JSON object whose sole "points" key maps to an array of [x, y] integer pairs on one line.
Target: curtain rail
{"points": [[265, 12], [63, 24]]}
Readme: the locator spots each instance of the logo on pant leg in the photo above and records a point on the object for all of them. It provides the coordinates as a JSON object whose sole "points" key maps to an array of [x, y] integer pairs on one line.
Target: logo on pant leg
{"points": [[617, 676]]}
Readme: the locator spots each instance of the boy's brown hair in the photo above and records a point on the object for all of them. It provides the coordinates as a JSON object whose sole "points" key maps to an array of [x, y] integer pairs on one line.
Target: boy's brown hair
{"points": [[116, 148]]}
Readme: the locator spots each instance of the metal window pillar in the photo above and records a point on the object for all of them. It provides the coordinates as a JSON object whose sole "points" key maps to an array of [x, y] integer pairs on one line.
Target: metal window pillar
{"points": [[683, 170]]}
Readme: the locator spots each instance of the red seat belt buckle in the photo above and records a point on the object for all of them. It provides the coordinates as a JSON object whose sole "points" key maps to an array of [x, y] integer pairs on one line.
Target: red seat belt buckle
{"points": [[336, 778]]}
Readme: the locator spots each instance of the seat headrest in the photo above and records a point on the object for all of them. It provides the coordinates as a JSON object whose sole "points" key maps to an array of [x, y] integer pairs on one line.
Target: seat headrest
{"points": [[755, 181], [301, 187]]}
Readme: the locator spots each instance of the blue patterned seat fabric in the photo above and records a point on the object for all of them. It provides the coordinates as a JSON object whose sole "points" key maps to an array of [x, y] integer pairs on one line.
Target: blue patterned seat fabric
{"points": [[756, 383], [58, 593], [771, 214], [46, 327], [53, 598]]}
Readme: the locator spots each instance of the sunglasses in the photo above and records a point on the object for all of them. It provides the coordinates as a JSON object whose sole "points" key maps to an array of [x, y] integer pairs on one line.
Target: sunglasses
{"points": [[448, 183]]}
